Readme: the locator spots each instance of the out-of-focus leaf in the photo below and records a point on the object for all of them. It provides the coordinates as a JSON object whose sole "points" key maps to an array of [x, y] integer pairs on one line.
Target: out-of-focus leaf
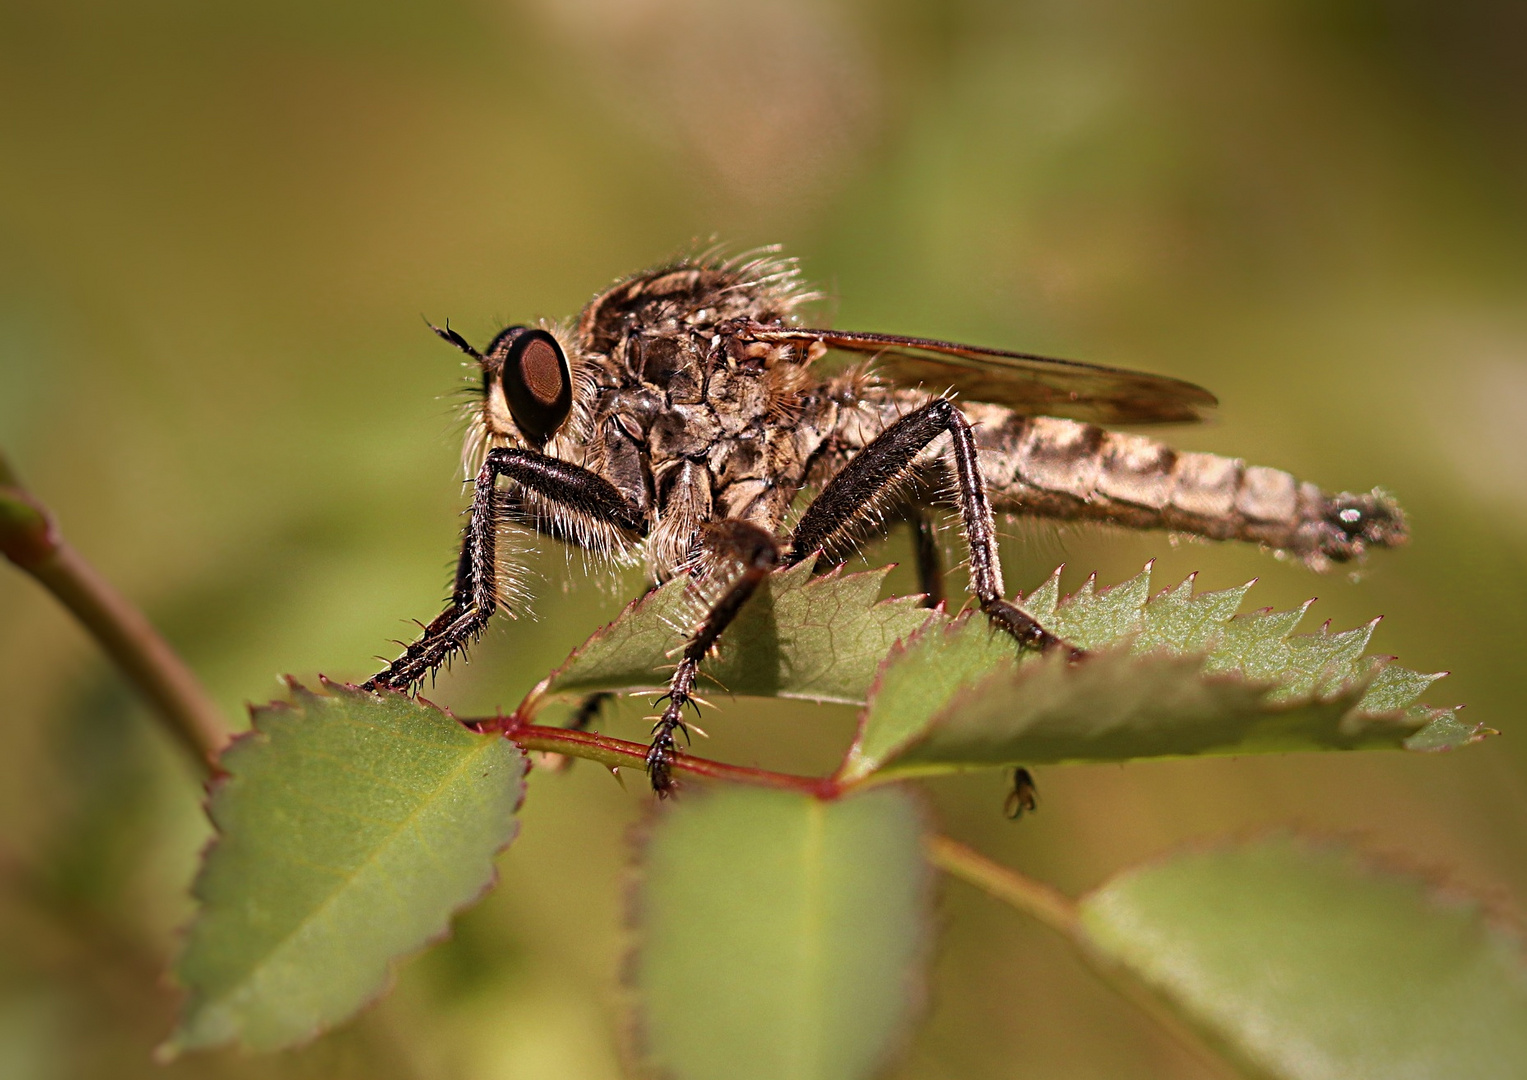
{"points": [[1174, 674], [350, 827], [1306, 964], [819, 639], [780, 935]]}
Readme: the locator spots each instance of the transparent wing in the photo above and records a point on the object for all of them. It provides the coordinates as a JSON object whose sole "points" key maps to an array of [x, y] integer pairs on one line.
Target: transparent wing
{"points": [[1034, 385]]}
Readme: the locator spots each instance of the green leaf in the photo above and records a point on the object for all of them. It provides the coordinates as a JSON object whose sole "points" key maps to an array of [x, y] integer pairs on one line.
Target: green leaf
{"points": [[349, 828], [1304, 963], [1174, 674], [820, 639], [781, 935]]}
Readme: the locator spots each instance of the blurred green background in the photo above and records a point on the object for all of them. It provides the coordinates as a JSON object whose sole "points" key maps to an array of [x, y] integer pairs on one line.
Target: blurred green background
{"points": [[220, 224]]}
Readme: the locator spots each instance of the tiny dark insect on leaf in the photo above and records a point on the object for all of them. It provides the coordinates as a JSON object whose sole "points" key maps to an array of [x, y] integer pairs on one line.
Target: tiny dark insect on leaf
{"points": [[1023, 796]]}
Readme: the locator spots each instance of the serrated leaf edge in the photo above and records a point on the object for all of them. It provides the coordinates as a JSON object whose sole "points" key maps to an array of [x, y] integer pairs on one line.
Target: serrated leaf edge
{"points": [[1045, 601], [171, 1048]]}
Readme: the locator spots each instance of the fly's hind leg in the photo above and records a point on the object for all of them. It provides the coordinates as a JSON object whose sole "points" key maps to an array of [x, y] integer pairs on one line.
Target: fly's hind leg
{"points": [[734, 544], [475, 596], [882, 465]]}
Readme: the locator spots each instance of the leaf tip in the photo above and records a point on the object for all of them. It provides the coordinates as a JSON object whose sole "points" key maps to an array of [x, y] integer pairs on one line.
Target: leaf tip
{"points": [[330, 686]]}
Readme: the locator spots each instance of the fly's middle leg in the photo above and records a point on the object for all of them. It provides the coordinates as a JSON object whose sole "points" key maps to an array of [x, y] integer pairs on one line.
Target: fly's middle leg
{"points": [[736, 544], [875, 472]]}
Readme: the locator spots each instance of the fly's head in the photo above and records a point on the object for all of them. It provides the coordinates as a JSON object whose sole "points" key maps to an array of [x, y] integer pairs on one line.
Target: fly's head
{"points": [[527, 389]]}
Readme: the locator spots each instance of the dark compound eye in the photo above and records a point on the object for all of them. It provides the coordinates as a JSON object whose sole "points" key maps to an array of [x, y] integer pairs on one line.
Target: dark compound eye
{"points": [[537, 384]]}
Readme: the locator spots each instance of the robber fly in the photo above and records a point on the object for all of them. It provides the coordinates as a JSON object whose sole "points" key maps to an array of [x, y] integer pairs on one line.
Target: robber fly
{"points": [[676, 421]]}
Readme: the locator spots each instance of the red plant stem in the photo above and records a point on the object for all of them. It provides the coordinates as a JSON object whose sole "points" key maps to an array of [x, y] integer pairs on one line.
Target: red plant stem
{"points": [[618, 753]]}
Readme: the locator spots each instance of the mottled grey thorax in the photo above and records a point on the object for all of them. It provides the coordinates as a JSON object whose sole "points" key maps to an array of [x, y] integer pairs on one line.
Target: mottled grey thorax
{"points": [[690, 424]]}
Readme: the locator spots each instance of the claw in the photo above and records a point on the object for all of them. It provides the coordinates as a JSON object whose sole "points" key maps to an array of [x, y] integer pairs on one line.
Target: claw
{"points": [[660, 765]]}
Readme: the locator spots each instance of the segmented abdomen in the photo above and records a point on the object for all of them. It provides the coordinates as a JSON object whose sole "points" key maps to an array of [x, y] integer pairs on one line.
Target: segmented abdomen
{"points": [[1064, 469]]}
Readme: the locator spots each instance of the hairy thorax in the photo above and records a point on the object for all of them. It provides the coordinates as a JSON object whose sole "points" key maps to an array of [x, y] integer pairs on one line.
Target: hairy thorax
{"points": [[687, 421]]}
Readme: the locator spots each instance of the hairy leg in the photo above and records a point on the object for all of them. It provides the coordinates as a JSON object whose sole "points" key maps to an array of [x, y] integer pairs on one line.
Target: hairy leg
{"points": [[881, 466], [475, 596], [736, 544]]}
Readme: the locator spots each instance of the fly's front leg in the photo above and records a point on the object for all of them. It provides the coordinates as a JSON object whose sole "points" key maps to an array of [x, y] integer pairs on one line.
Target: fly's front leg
{"points": [[737, 543], [475, 596], [875, 472]]}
